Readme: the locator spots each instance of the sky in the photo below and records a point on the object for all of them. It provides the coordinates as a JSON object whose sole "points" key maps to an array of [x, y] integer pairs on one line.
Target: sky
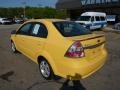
{"points": [[19, 3]]}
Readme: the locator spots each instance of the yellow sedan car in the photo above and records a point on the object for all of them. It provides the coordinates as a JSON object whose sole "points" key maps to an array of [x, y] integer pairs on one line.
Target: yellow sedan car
{"points": [[60, 47]]}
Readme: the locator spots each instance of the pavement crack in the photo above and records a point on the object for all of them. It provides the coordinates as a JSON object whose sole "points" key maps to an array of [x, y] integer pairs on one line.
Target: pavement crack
{"points": [[32, 85], [7, 75]]}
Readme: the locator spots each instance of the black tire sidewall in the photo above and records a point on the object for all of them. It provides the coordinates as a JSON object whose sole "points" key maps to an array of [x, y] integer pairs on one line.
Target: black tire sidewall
{"points": [[14, 47], [51, 76]]}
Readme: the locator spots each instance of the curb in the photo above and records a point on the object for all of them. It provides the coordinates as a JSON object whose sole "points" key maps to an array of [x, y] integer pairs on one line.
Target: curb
{"points": [[112, 30]]}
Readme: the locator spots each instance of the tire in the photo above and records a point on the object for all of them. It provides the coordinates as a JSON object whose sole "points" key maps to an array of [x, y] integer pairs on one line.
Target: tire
{"points": [[46, 70], [13, 48]]}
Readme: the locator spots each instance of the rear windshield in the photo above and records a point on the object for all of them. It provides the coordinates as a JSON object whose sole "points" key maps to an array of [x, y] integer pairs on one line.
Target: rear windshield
{"points": [[69, 29]]}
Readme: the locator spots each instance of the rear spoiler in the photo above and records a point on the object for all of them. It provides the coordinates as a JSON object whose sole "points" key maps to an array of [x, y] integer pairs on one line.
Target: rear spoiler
{"points": [[92, 38]]}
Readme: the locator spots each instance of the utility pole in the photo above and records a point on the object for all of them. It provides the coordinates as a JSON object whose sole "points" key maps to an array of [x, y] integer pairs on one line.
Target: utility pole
{"points": [[24, 7], [39, 5]]}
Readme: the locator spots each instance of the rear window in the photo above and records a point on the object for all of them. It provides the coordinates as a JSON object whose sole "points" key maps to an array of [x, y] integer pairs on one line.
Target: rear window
{"points": [[69, 29]]}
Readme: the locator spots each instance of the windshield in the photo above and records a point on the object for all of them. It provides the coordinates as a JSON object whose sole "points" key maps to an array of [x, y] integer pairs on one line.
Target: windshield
{"points": [[84, 18], [5, 19], [69, 29]]}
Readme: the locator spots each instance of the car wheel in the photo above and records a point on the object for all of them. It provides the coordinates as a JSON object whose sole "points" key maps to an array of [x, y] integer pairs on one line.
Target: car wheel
{"points": [[46, 70], [13, 48]]}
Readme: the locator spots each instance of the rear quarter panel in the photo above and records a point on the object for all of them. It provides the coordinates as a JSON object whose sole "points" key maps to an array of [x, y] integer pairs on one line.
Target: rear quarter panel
{"points": [[55, 47]]}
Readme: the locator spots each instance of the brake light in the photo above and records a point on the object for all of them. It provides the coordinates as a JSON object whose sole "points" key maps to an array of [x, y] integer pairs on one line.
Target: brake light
{"points": [[75, 51]]}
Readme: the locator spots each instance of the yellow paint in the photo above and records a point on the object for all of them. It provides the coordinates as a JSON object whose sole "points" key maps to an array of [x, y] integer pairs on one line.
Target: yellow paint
{"points": [[54, 47]]}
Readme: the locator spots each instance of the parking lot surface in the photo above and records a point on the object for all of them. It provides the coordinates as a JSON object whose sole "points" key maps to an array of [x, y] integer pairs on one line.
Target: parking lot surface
{"points": [[17, 72]]}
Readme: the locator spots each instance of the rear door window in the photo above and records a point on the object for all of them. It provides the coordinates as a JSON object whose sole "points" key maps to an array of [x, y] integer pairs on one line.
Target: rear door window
{"points": [[39, 30], [35, 29]]}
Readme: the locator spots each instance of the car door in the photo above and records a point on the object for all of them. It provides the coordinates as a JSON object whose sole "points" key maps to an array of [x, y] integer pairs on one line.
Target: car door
{"points": [[20, 37], [103, 21], [92, 23], [97, 23], [36, 40]]}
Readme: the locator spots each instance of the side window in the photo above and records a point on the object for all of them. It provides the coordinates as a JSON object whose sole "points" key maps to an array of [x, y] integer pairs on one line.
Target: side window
{"points": [[35, 29], [97, 18], [92, 19], [24, 29], [39, 30], [102, 18]]}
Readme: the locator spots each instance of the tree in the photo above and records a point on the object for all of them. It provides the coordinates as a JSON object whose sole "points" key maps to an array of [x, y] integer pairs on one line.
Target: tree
{"points": [[33, 12]]}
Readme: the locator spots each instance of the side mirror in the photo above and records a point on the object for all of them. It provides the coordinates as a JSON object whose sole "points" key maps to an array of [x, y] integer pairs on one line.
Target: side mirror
{"points": [[13, 32]]}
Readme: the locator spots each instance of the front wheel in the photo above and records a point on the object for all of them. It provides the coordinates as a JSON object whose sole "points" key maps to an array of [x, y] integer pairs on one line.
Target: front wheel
{"points": [[13, 48]]}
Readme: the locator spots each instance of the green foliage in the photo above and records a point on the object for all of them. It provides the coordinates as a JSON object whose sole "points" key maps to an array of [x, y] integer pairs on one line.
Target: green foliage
{"points": [[33, 12]]}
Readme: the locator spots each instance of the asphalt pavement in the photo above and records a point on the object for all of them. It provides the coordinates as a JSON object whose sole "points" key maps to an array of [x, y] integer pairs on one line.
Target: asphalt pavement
{"points": [[17, 72]]}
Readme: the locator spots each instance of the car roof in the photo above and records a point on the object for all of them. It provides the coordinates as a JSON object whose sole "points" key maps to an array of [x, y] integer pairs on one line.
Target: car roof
{"points": [[46, 20], [93, 14]]}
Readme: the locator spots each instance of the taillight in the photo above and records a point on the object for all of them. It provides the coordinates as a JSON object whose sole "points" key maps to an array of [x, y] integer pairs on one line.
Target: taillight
{"points": [[75, 51]]}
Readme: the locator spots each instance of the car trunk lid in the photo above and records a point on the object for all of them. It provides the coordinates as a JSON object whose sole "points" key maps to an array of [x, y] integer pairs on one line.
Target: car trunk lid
{"points": [[92, 43]]}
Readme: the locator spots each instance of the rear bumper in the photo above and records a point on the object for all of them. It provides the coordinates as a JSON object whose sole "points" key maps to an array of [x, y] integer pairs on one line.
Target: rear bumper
{"points": [[79, 69]]}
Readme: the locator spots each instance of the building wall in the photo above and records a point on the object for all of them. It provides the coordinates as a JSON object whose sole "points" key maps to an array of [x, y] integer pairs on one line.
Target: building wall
{"points": [[74, 10]]}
